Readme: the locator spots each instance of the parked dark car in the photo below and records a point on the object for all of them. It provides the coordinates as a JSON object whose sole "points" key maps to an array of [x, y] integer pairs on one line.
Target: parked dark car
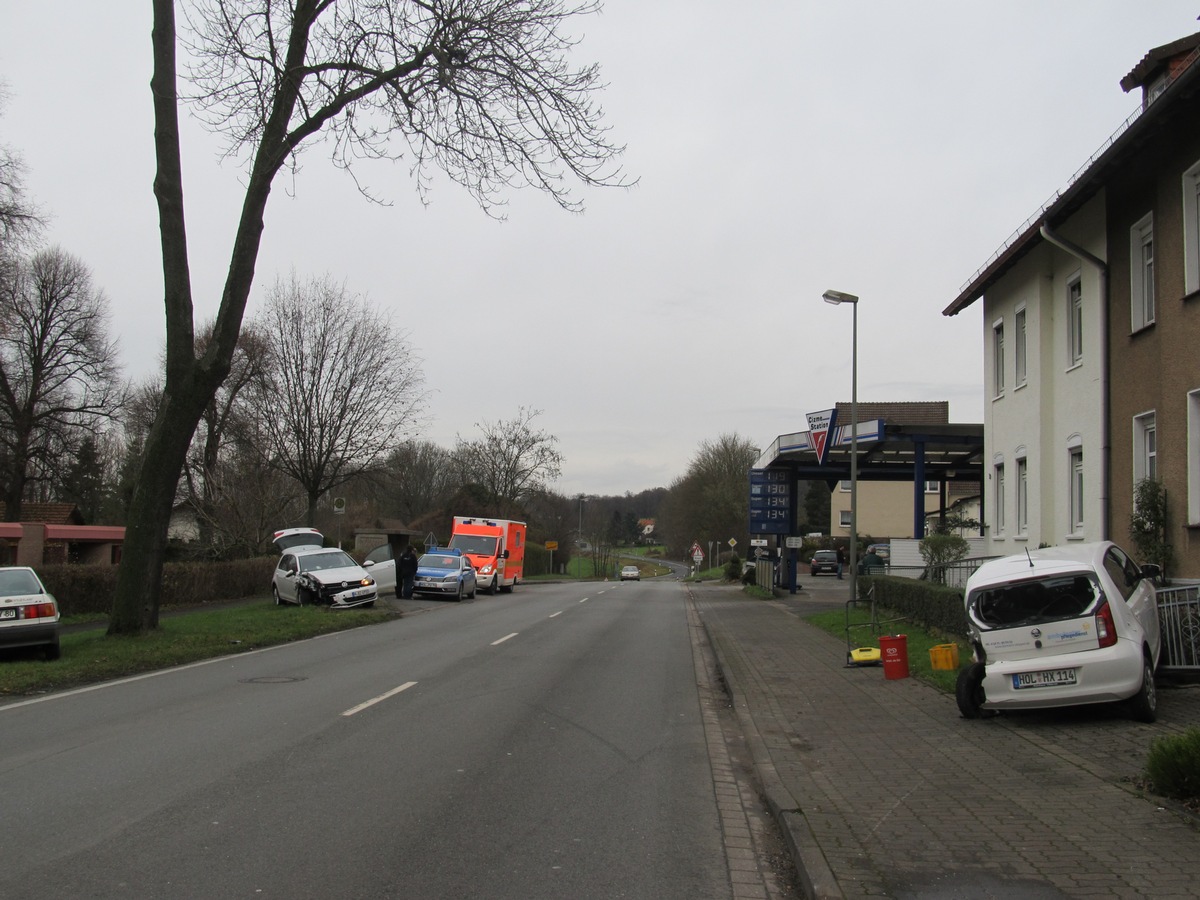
{"points": [[824, 561]]}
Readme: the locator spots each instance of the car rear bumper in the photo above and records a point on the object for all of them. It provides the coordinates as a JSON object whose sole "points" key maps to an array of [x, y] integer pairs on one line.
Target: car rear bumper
{"points": [[28, 635], [1102, 676]]}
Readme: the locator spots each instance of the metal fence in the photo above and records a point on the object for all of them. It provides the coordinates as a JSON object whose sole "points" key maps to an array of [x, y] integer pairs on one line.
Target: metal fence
{"points": [[1179, 619]]}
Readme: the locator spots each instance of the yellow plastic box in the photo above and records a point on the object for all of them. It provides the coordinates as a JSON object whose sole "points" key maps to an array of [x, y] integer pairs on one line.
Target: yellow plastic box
{"points": [[944, 656]]}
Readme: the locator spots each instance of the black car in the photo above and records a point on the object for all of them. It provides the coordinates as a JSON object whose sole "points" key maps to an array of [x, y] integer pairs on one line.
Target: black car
{"points": [[824, 561]]}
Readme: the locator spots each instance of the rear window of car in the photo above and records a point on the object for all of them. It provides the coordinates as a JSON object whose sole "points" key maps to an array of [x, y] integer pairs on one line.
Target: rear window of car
{"points": [[1034, 600], [17, 582]]}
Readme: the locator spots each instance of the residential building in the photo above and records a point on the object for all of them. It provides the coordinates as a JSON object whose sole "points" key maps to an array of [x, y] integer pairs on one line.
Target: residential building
{"points": [[1091, 314]]}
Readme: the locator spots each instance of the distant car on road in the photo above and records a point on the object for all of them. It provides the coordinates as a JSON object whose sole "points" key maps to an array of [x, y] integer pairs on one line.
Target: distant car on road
{"points": [[824, 561], [631, 573], [1061, 626], [28, 612], [445, 572]]}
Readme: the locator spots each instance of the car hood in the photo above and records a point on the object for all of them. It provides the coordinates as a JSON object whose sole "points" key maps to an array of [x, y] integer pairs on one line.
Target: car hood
{"points": [[334, 576]]}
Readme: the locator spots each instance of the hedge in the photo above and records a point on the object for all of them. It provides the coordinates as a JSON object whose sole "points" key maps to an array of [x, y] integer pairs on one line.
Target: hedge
{"points": [[930, 605], [89, 590]]}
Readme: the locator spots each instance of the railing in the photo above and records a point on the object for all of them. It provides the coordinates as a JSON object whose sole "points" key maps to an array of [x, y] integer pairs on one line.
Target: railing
{"points": [[1179, 619]]}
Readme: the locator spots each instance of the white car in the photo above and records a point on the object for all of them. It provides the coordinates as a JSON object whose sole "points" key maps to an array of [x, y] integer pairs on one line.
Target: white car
{"points": [[631, 573], [309, 573], [1063, 626], [28, 612]]}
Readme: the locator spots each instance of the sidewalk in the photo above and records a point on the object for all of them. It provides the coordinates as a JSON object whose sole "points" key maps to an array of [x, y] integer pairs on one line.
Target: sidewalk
{"points": [[883, 790]]}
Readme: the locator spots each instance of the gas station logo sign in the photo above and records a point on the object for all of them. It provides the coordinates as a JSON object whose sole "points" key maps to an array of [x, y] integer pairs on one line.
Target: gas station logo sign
{"points": [[820, 427]]}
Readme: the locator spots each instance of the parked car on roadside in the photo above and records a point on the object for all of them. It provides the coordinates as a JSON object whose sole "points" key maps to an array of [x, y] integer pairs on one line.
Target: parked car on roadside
{"points": [[631, 573], [445, 572], [824, 561], [308, 573], [28, 612], [1062, 626]]}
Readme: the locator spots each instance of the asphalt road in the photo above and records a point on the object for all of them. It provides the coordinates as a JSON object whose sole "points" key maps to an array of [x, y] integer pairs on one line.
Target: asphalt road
{"points": [[544, 743]]}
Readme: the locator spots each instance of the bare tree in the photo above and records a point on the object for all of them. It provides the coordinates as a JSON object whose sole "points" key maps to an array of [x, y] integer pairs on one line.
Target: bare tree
{"points": [[478, 88], [510, 461], [20, 221], [342, 387], [423, 478], [59, 379]]}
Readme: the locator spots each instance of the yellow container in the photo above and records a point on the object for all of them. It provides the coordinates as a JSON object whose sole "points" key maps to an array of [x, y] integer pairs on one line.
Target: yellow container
{"points": [[944, 656]]}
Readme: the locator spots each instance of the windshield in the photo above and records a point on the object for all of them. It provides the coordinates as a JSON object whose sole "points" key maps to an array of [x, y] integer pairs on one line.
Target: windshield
{"points": [[1033, 601], [479, 544], [329, 559], [16, 582], [429, 561]]}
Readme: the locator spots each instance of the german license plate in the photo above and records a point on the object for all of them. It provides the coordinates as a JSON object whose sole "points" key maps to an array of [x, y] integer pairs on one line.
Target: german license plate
{"points": [[10, 613], [1049, 678]]}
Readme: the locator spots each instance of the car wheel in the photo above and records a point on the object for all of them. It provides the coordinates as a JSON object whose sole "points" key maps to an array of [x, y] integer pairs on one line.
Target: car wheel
{"points": [[275, 592], [969, 691], [1143, 705], [474, 588], [52, 651], [458, 595]]}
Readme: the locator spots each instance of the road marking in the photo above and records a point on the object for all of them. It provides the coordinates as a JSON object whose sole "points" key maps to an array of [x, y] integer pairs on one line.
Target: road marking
{"points": [[505, 638], [392, 693], [584, 600], [559, 613]]}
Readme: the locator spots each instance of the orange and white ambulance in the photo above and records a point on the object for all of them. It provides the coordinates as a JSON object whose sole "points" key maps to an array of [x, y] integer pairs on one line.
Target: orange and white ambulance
{"points": [[496, 548]]}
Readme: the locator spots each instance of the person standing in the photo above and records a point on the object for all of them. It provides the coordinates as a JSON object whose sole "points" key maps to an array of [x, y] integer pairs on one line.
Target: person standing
{"points": [[841, 556], [406, 572]]}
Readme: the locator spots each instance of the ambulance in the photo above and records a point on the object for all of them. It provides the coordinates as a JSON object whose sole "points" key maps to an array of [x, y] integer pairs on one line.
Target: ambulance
{"points": [[496, 548]]}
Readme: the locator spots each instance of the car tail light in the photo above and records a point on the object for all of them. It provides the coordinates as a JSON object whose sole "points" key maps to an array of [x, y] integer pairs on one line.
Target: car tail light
{"points": [[36, 611], [1106, 627]]}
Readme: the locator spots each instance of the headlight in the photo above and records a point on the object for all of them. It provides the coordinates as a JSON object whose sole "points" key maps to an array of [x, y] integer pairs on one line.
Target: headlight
{"points": [[367, 582], [486, 570]]}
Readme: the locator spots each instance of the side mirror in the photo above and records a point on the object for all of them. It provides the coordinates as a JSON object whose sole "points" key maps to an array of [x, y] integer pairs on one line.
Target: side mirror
{"points": [[1152, 571], [368, 563], [504, 555]]}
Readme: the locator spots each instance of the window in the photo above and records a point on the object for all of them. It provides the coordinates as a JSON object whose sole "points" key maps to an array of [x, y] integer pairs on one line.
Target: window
{"points": [[844, 518], [998, 503], [1022, 496], [1022, 365], [1145, 448], [844, 487], [1141, 264], [998, 359], [1074, 322], [933, 487], [1193, 458], [1191, 229], [1075, 490]]}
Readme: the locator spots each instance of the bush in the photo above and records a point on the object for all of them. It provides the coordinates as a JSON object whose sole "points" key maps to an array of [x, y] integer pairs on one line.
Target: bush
{"points": [[931, 605], [1173, 765], [88, 590], [733, 568]]}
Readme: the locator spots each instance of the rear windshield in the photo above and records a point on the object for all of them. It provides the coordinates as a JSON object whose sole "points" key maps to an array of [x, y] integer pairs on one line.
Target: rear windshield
{"points": [[1033, 601], [479, 544], [17, 582]]}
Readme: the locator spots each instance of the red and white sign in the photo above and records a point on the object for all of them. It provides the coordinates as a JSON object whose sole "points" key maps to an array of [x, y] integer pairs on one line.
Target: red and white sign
{"points": [[820, 427]]}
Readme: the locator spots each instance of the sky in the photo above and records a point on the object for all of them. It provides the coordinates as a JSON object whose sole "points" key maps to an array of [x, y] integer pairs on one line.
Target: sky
{"points": [[780, 147]]}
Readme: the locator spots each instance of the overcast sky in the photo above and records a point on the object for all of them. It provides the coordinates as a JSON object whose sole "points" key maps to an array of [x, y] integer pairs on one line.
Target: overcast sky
{"points": [[882, 149]]}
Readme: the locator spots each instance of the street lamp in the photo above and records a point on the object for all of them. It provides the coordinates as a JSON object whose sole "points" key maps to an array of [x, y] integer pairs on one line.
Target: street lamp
{"points": [[837, 298]]}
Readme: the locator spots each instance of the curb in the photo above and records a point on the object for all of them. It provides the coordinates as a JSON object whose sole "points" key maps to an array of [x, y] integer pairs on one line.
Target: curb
{"points": [[816, 876]]}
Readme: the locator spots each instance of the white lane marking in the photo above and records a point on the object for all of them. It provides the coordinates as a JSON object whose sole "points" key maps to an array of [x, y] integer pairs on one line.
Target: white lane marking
{"points": [[584, 600], [505, 638], [392, 693], [559, 613]]}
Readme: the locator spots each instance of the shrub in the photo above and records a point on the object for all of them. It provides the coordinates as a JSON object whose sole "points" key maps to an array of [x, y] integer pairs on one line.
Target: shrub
{"points": [[931, 605], [733, 568], [1173, 765]]}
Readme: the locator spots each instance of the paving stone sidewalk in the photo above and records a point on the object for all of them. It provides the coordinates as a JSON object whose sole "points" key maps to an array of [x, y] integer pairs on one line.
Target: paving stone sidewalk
{"points": [[883, 790]]}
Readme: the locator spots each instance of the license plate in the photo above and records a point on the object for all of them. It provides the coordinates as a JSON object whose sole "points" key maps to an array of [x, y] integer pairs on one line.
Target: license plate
{"points": [[1050, 678], [10, 613]]}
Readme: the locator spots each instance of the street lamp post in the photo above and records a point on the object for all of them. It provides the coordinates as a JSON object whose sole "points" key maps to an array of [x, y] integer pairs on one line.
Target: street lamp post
{"points": [[837, 297]]}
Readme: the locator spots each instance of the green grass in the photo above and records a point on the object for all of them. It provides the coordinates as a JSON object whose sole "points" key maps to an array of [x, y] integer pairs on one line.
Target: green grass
{"points": [[919, 641], [91, 656]]}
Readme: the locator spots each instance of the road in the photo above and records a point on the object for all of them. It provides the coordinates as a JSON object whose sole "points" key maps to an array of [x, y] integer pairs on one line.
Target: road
{"points": [[544, 743]]}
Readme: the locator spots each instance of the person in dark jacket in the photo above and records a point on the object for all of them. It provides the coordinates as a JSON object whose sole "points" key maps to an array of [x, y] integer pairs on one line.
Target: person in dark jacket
{"points": [[406, 572]]}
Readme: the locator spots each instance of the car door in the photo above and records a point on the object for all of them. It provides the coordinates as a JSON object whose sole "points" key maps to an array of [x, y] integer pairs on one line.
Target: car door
{"points": [[1138, 593], [381, 563], [285, 577]]}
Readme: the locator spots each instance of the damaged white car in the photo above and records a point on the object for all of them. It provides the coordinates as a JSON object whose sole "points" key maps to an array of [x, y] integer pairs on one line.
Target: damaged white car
{"points": [[1063, 626], [309, 574]]}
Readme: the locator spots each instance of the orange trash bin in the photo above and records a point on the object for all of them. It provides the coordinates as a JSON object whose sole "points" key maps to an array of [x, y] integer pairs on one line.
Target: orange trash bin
{"points": [[893, 648]]}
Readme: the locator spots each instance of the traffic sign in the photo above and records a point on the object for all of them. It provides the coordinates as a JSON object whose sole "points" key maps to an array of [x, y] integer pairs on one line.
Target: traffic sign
{"points": [[551, 545]]}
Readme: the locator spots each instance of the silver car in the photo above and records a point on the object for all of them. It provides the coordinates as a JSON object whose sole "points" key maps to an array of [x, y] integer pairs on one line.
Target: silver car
{"points": [[28, 612], [1062, 626]]}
